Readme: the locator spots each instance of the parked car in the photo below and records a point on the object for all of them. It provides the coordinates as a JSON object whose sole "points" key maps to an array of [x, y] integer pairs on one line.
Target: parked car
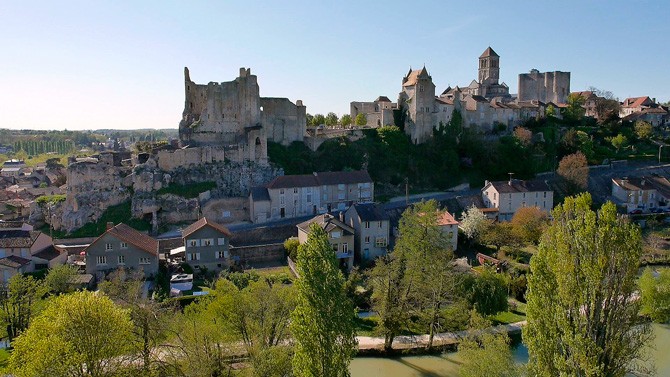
{"points": [[635, 212], [657, 210]]}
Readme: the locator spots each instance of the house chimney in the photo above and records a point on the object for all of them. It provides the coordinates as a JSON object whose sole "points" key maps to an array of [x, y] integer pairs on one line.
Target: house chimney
{"points": [[342, 216], [510, 178], [110, 225]]}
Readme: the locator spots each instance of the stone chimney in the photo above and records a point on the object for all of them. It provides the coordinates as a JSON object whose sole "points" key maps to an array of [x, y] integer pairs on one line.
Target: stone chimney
{"points": [[110, 225]]}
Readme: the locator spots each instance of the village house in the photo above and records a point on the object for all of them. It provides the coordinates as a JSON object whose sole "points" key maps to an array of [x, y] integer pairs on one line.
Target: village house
{"points": [[340, 237], [509, 196], [291, 196], [371, 230], [590, 102], [20, 247], [643, 194], [122, 247], [635, 105], [449, 227], [207, 245]]}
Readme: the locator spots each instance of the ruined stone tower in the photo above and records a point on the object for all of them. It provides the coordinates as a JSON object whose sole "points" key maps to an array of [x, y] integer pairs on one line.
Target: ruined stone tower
{"points": [[227, 115]]}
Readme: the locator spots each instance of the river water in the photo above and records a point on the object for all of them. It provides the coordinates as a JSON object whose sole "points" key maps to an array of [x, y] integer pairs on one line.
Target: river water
{"points": [[447, 363]]}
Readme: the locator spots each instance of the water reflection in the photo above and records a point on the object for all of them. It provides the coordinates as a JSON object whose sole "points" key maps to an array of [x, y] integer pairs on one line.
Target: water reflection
{"points": [[447, 364]]}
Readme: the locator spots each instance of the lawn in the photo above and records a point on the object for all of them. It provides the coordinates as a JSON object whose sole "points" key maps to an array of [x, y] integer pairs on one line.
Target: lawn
{"points": [[4, 358], [366, 326], [504, 318]]}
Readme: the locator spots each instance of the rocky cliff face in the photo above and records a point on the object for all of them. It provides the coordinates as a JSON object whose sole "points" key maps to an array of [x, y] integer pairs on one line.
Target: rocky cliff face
{"points": [[92, 188], [232, 180]]}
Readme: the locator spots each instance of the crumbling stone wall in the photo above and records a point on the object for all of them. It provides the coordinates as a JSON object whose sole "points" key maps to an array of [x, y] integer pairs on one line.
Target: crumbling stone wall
{"points": [[286, 122], [170, 160]]}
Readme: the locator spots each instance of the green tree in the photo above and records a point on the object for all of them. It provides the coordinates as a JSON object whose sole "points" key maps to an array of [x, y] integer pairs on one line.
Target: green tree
{"points": [[318, 120], [643, 130], [322, 323], [18, 298], [528, 223], [486, 353], [150, 319], [575, 109], [361, 119], [390, 297], [82, 334], [618, 142], [60, 279], [291, 246], [345, 120], [499, 234], [583, 318], [655, 295], [550, 111], [486, 292], [331, 119]]}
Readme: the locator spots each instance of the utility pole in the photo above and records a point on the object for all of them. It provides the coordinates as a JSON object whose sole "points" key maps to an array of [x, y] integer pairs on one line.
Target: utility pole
{"points": [[406, 191]]}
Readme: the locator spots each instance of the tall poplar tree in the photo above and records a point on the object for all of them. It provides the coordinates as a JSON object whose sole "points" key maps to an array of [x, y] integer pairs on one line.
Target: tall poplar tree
{"points": [[583, 315], [322, 323]]}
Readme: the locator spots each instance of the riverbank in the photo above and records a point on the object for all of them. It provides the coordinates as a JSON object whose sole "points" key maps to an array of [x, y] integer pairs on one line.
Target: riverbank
{"points": [[418, 344]]}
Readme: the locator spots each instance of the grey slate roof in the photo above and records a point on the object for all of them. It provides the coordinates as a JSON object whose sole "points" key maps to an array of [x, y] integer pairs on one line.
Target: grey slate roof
{"points": [[18, 238], [260, 194], [326, 221], [515, 185], [48, 254], [320, 179], [371, 212]]}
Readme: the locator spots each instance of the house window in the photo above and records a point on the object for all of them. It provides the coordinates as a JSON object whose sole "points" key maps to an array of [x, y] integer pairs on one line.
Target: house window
{"points": [[109, 247], [367, 225], [545, 194], [281, 200], [335, 234], [145, 260], [121, 260], [451, 235], [208, 242], [193, 256], [281, 191], [226, 214], [367, 239], [340, 186], [340, 195], [380, 224], [336, 247], [124, 245], [221, 255], [345, 247], [494, 195], [380, 242], [194, 243], [101, 259], [295, 190], [222, 241], [309, 195]]}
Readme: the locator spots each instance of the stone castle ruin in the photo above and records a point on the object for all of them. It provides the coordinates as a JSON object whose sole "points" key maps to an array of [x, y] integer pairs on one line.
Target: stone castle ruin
{"points": [[232, 116], [223, 137]]}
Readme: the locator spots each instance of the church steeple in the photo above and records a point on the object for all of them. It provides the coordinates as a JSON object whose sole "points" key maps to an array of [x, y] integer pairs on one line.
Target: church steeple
{"points": [[489, 67]]}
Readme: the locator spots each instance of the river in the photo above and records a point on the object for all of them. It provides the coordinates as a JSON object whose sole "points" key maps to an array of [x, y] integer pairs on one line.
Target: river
{"points": [[447, 363]]}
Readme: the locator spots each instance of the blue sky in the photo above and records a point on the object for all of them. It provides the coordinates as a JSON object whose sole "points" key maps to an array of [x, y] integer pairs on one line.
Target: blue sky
{"points": [[119, 64]]}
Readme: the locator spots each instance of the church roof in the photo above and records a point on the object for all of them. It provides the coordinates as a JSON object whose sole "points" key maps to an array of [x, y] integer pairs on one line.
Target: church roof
{"points": [[488, 52], [413, 76]]}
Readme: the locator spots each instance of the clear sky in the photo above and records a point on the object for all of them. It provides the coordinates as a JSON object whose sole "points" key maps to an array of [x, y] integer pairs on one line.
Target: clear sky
{"points": [[119, 64]]}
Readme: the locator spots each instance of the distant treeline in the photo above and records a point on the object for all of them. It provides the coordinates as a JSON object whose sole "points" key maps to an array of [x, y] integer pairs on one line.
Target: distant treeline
{"points": [[35, 147]]}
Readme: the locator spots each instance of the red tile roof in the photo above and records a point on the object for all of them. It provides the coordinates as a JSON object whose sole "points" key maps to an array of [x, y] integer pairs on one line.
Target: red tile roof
{"points": [[637, 102], [202, 223], [446, 219]]}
